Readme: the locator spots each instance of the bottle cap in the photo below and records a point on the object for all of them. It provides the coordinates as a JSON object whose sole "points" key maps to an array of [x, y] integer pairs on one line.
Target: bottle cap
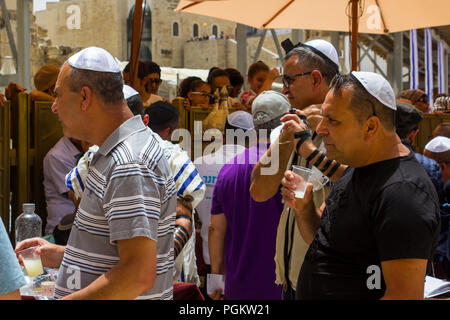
{"points": [[28, 207]]}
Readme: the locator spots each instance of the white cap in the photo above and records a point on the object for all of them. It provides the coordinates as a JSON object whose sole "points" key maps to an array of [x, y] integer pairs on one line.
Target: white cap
{"points": [[438, 144], [94, 59], [269, 105], [128, 92], [326, 48], [378, 87], [241, 119]]}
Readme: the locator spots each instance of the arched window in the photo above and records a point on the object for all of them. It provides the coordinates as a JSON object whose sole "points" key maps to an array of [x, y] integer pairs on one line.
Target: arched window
{"points": [[175, 29], [215, 30], [195, 31], [146, 38]]}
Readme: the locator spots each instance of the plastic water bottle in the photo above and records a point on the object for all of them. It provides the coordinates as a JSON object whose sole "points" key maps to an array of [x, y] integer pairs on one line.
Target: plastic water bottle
{"points": [[28, 224]]}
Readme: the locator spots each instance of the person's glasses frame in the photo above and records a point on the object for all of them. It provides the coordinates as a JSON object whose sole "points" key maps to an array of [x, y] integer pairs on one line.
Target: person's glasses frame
{"points": [[287, 79], [204, 94], [154, 80]]}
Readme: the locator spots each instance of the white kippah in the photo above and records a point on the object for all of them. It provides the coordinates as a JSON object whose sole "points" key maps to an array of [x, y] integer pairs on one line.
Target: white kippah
{"points": [[378, 87], [128, 92], [438, 144], [241, 119], [325, 48], [94, 59]]}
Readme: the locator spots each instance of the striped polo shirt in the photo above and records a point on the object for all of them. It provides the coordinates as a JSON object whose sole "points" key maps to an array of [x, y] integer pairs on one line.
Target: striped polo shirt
{"points": [[129, 192]]}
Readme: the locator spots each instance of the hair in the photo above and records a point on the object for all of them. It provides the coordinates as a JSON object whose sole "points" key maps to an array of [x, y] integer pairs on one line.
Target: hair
{"points": [[210, 73], [194, 85], [412, 95], [162, 115], [236, 79], [135, 104], [257, 67], [307, 57], [144, 69], [185, 86], [107, 86], [153, 67], [404, 131], [363, 104], [442, 129], [215, 74], [407, 119]]}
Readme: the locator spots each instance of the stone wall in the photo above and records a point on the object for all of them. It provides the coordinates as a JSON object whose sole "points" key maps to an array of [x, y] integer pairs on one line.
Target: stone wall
{"points": [[84, 23], [167, 49]]}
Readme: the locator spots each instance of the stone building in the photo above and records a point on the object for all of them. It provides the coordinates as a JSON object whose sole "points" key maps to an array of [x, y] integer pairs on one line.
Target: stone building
{"points": [[170, 38]]}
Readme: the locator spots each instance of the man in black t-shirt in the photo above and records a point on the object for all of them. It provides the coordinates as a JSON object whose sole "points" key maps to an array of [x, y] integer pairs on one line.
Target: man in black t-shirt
{"points": [[377, 230]]}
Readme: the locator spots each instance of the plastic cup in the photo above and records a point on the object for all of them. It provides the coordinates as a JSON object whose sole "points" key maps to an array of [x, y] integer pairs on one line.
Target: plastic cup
{"points": [[305, 175], [31, 261]]}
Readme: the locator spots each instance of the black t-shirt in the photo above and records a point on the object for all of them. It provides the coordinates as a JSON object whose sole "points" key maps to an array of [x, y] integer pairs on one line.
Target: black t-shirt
{"points": [[384, 211]]}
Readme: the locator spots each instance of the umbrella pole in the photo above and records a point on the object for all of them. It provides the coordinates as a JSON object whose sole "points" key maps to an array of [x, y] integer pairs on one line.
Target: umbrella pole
{"points": [[135, 41], [354, 34]]}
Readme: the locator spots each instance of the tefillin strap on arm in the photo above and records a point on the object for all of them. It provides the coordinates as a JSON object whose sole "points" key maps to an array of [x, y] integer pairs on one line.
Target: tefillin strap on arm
{"points": [[302, 135]]}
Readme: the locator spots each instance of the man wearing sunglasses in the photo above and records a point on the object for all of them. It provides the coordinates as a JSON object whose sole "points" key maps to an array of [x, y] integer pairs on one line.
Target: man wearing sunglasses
{"points": [[148, 81], [308, 71]]}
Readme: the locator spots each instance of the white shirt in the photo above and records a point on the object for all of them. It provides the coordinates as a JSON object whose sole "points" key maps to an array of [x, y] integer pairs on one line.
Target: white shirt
{"points": [[209, 167]]}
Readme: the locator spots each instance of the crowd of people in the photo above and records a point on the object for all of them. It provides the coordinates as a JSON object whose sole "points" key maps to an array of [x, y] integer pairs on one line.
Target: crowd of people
{"points": [[133, 215]]}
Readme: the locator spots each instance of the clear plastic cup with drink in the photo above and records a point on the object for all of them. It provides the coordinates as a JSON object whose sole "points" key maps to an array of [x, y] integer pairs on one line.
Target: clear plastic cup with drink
{"points": [[305, 175], [31, 261]]}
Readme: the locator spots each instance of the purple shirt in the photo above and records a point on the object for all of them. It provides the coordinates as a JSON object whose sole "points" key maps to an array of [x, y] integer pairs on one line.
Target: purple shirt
{"points": [[251, 230]]}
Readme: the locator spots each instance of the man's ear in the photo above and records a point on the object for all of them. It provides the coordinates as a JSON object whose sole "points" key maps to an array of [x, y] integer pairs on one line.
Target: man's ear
{"points": [[412, 135], [317, 78], [145, 119], [86, 98], [372, 126]]}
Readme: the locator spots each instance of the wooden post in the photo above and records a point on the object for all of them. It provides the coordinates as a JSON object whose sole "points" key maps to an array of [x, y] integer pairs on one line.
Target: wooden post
{"points": [[136, 41], [354, 17]]}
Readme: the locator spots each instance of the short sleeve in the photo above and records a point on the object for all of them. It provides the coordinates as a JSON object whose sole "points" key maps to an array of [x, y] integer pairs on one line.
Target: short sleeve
{"points": [[55, 171], [11, 276], [406, 222], [132, 202], [186, 177]]}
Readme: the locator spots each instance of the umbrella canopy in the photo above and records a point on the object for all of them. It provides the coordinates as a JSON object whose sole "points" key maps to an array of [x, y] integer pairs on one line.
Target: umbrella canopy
{"points": [[369, 16]]}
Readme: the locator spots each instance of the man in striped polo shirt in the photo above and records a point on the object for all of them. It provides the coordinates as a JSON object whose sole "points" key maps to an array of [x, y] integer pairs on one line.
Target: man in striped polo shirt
{"points": [[121, 243]]}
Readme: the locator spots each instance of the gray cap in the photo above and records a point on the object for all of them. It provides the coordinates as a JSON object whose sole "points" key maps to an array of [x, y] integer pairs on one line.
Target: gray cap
{"points": [[269, 105], [407, 115]]}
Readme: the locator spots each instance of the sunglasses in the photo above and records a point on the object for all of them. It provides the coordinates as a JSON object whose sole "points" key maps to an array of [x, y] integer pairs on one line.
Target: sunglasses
{"points": [[154, 80], [288, 79]]}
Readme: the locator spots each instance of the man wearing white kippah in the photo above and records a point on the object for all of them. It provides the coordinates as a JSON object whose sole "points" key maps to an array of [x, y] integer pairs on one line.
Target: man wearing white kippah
{"points": [[121, 242], [307, 71], [438, 149], [376, 232]]}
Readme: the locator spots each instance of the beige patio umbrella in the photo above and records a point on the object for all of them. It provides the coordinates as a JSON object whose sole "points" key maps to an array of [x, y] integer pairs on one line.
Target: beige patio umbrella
{"points": [[364, 16]]}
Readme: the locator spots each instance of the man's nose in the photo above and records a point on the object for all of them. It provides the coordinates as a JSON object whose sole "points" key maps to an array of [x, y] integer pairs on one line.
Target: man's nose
{"points": [[320, 129]]}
